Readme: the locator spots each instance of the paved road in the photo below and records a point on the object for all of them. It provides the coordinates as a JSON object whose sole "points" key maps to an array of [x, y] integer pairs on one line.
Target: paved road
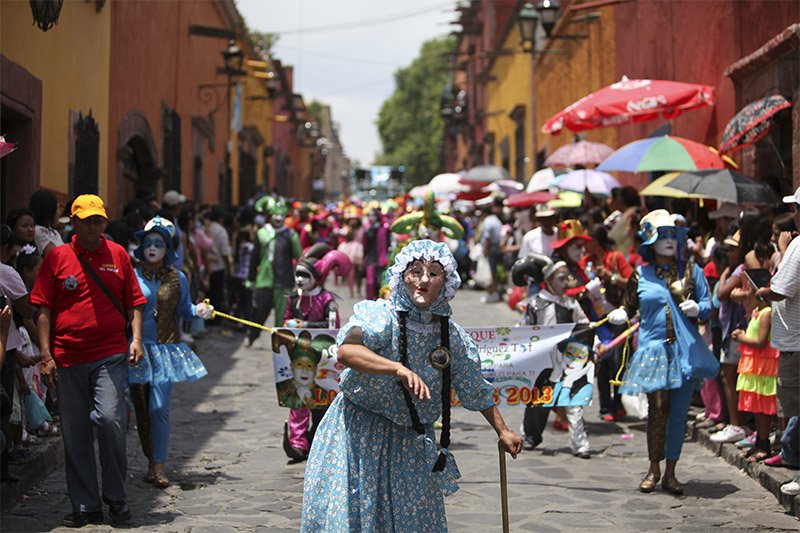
{"points": [[230, 474]]}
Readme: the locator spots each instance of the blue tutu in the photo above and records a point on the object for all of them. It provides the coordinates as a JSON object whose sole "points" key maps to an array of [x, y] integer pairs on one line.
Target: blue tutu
{"points": [[167, 363]]}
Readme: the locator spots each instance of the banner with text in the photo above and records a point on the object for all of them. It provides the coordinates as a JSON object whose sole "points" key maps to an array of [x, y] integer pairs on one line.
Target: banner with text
{"points": [[519, 361]]}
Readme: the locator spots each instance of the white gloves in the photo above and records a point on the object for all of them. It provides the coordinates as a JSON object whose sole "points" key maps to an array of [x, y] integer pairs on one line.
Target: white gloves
{"points": [[594, 287], [204, 310], [618, 316], [690, 308]]}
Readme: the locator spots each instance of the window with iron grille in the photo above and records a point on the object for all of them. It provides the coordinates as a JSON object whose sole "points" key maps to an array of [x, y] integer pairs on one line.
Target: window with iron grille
{"points": [[86, 135], [171, 134]]}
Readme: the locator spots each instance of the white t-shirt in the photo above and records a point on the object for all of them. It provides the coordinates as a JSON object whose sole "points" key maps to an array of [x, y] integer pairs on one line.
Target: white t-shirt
{"points": [[43, 236], [221, 248], [13, 288], [538, 242], [785, 334]]}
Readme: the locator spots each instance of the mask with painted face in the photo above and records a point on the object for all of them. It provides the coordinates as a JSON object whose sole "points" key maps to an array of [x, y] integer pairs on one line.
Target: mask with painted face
{"points": [[558, 281], [303, 370], [304, 280], [154, 248], [575, 251], [667, 242], [276, 221], [424, 280]]}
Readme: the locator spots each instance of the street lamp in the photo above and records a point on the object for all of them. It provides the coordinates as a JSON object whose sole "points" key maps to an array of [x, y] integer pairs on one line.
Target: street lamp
{"points": [[233, 56], [548, 11], [46, 12], [527, 20]]}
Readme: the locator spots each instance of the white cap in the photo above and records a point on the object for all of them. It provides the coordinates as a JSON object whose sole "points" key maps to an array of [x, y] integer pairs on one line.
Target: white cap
{"points": [[173, 198], [725, 211], [793, 199], [542, 211]]}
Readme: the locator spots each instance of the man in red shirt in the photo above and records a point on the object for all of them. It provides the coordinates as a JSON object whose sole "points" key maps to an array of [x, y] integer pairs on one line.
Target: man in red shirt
{"points": [[86, 292]]}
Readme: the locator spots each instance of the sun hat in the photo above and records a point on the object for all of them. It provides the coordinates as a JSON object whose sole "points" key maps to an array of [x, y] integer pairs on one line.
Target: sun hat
{"points": [[173, 198], [568, 230], [733, 240], [648, 231], [725, 211], [88, 205], [792, 198], [163, 227]]}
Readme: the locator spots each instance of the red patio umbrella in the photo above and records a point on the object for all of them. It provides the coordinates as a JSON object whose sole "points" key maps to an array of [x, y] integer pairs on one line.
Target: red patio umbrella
{"points": [[527, 199], [629, 101]]}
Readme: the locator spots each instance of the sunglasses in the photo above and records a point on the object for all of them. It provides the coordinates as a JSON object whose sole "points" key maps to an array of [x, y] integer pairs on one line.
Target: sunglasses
{"points": [[153, 243], [667, 233]]}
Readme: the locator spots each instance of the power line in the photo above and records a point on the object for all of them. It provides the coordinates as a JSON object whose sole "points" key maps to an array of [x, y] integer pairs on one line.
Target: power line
{"points": [[360, 86], [340, 58], [385, 19]]}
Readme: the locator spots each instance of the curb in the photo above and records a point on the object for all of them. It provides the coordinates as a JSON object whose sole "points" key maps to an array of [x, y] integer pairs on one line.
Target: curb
{"points": [[771, 478], [46, 458]]}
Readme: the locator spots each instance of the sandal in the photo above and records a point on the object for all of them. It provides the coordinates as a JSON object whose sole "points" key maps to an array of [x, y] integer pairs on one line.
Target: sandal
{"points": [[759, 452], [160, 480], [649, 483]]}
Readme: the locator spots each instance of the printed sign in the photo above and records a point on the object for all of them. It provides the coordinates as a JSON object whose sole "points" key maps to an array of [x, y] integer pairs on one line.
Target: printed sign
{"points": [[526, 365]]}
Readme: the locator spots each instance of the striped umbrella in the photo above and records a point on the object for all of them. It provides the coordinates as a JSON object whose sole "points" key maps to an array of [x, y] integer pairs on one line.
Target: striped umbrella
{"points": [[664, 153]]}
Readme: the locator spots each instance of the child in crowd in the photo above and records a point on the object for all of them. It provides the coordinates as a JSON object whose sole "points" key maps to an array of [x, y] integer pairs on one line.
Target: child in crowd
{"points": [[550, 306], [758, 371], [354, 250]]}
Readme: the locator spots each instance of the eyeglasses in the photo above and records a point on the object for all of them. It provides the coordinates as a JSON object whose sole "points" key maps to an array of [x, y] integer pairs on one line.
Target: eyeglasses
{"points": [[153, 243]]}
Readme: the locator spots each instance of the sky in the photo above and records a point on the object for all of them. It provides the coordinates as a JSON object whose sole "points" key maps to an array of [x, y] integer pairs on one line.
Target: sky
{"points": [[351, 65]]}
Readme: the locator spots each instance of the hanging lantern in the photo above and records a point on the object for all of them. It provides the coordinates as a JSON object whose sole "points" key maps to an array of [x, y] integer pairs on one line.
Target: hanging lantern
{"points": [[46, 12]]}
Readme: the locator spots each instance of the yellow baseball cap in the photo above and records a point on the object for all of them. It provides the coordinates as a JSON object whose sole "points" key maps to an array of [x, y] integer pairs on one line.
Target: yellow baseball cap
{"points": [[88, 205]]}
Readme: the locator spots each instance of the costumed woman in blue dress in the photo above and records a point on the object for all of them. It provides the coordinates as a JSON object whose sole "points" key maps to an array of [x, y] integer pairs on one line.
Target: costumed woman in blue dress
{"points": [[166, 360], [374, 464], [672, 359]]}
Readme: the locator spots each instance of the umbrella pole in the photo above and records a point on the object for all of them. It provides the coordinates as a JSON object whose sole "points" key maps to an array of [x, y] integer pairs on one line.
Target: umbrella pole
{"points": [[503, 486]]}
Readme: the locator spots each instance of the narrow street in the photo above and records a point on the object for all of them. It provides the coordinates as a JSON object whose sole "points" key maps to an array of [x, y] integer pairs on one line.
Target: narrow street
{"points": [[229, 472]]}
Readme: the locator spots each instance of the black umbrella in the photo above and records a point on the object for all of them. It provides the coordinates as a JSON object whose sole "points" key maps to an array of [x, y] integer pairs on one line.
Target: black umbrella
{"points": [[723, 184]]}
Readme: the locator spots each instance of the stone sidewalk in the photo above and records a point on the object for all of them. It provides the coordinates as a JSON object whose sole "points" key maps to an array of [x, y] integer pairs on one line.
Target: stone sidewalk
{"points": [[229, 472]]}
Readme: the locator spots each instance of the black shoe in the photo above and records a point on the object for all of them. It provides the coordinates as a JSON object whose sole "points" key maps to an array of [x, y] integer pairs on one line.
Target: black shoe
{"points": [[118, 511], [79, 519], [583, 455]]}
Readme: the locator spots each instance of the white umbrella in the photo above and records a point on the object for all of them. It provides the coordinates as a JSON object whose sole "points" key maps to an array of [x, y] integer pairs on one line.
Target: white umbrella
{"points": [[595, 181], [446, 183], [419, 191], [486, 173], [504, 186], [544, 179]]}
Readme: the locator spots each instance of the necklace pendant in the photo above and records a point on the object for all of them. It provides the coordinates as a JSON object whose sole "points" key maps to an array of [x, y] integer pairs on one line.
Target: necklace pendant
{"points": [[440, 358]]}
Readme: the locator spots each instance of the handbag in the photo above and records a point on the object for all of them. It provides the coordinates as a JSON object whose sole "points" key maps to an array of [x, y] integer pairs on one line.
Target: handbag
{"points": [[107, 292], [36, 413]]}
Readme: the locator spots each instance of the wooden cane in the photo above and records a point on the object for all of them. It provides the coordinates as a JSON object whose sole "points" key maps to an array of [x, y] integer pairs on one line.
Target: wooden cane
{"points": [[503, 486]]}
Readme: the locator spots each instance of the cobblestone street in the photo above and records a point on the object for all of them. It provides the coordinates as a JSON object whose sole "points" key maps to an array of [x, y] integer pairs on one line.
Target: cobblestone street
{"points": [[229, 472]]}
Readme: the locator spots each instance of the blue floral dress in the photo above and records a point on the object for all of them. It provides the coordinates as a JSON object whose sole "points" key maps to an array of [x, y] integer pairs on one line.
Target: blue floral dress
{"points": [[368, 469], [658, 364]]}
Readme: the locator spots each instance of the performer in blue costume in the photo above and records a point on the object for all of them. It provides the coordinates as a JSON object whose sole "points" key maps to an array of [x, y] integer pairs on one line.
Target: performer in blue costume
{"points": [[374, 464], [672, 359], [166, 360]]}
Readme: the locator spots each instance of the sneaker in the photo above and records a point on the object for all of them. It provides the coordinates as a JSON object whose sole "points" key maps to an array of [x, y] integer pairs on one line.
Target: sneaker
{"points": [[700, 417], [529, 444], [791, 489], [583, 455], [118, 511], [747, 441], [79, 519], [729, 434]]}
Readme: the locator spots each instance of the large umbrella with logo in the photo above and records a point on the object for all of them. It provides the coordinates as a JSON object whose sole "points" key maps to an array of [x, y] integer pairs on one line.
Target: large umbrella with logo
{"points": [[581, 153], [630, 101], [753, 122], [664, 153], [724, 184]]}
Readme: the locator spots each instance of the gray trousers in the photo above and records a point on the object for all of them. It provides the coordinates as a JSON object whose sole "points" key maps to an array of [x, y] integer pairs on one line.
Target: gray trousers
{"points": [[91, 396]]}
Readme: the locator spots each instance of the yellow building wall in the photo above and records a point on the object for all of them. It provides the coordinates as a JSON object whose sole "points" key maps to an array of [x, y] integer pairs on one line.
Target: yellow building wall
{"points": [[256, 111], [563, 78], [509, 86], [73, 61]]}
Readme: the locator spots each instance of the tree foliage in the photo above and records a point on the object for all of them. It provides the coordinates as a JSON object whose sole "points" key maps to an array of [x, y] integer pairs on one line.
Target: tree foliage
{"points": [[409, 124]]}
